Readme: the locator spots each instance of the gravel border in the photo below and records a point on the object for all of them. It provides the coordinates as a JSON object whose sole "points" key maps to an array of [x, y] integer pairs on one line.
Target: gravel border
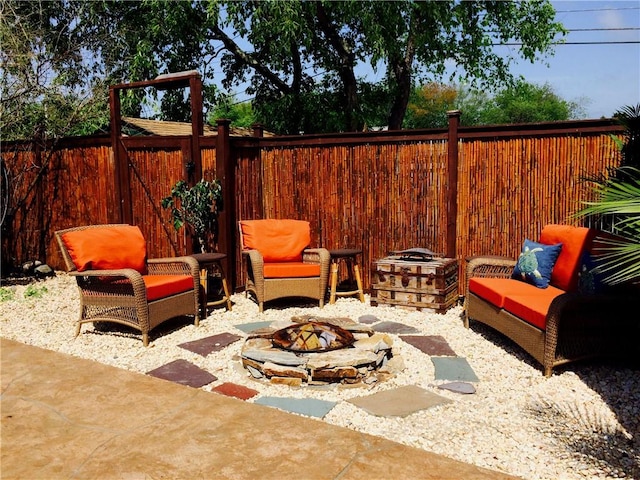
{"points": [[582, 423]]}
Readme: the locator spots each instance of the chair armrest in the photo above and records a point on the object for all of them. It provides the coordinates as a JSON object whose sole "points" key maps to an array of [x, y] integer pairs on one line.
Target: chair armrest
{"points": [[125, 281], [316, 255], [173, 266], [254, 263]]}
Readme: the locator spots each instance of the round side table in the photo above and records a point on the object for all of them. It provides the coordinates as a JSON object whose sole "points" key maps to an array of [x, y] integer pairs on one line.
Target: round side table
{"points": [[349, 257], [208, 261]]}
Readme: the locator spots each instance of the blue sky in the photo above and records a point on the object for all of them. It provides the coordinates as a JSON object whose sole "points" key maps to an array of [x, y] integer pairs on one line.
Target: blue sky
{"points": [[601, 77]]}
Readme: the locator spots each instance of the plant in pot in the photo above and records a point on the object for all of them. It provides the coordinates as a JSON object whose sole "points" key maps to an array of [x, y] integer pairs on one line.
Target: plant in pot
{"points": [[197, 207]]}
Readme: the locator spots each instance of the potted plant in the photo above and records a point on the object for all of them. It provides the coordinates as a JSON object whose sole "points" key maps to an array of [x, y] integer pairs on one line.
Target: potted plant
{"points": [[197, 207]]}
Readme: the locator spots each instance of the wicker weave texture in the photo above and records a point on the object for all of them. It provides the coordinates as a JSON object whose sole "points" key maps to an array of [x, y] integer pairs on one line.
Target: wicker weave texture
{"points": [[578, 326], [120, 296]]}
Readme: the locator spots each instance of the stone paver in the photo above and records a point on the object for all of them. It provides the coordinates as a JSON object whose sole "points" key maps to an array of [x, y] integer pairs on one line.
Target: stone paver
{"points": [[184, 373], [399, 402], [207, 345], [250, 327], [394, 327], [368, 319], [433, 345], [453, 368], [458, 387], [234, 390], [306, 406]]}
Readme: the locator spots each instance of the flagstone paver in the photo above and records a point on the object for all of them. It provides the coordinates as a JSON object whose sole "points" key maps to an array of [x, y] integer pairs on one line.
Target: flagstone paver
{"points": [[207, 345], [394, 327], [306, 406], [458, 387], [250, 327], [368, 319], [434, 345], [184, 373], [234, 390], [399, 402], [453, 368]]}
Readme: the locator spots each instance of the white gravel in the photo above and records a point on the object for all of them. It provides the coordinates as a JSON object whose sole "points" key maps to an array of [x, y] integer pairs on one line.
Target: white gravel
{"points": [[582, 423]]}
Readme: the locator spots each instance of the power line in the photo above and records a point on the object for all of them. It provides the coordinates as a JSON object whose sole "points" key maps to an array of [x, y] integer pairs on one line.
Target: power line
{"points": [[613, 42], [608, 9], [602, 29]]}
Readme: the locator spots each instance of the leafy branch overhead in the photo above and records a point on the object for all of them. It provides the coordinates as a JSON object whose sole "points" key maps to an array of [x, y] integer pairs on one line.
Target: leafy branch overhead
{"points": [[298, 60]]}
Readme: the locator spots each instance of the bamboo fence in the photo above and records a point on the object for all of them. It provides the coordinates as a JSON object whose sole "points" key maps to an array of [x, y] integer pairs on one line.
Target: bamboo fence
{"points": [[376, 191]]}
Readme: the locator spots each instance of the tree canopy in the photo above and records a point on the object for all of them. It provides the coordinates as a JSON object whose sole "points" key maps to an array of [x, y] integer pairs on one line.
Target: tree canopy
{"points": [[299, 59], [519, 102]]}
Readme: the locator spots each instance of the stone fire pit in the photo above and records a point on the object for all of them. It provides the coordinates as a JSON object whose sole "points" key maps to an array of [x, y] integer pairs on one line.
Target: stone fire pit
{"points": [[318, 351]]}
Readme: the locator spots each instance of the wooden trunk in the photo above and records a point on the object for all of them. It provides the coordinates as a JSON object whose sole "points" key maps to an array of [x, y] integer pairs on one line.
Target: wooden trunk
{"points": [[415, 283]]}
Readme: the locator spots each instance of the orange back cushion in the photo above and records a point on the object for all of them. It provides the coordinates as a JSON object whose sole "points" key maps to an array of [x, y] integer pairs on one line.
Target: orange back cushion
{"points": [[276, 240], [107, 248], [575, 241]]}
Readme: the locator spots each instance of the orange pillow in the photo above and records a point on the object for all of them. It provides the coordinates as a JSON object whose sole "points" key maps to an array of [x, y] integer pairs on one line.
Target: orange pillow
{"points": [[276, 240], [107, 248], [575, 240]]}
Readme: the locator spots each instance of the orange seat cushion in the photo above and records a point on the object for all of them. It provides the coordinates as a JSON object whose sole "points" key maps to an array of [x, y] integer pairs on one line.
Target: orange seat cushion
{"points": [[291, 269], [161, 286], [575, 241], [532, 308], [495, 290], [107, 248], [277, 240]]}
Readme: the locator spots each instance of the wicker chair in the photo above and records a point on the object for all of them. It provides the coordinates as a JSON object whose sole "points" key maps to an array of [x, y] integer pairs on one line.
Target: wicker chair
{"points": [[277, 263], [119, 284], [577, 325]]}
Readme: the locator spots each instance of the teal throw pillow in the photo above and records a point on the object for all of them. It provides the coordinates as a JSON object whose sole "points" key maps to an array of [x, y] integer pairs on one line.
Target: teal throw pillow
{"points": [[536, 262]]}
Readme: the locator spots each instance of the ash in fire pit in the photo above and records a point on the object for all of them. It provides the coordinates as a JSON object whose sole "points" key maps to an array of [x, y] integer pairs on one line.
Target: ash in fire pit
{"points": [[319, 351]]}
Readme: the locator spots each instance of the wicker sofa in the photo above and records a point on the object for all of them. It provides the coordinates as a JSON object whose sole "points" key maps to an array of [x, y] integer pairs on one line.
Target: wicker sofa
{"points": [[277, 262], [558, 324], [117, 282]]}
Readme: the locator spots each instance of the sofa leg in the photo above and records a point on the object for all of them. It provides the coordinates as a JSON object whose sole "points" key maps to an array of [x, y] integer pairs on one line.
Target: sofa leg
{"points": [[547, 371], [466, 321], [261, 307], [145, 339]]}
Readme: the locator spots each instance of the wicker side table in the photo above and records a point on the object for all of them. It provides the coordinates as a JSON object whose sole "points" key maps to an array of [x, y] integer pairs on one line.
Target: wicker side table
{"points": [[208, 261], [349, 257]]}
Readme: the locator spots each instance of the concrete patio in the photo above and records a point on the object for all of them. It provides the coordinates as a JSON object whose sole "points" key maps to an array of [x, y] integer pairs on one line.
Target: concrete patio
{"points": [[66, 417]]}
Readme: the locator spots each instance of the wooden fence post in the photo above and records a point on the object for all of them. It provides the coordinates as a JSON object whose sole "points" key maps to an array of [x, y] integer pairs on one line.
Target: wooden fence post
{"points": [[122, 195], [452, 183], [225, 172]]}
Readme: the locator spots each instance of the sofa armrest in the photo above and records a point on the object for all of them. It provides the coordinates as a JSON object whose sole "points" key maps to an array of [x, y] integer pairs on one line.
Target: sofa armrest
{"points": [[593, 323], [488, 266]]}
